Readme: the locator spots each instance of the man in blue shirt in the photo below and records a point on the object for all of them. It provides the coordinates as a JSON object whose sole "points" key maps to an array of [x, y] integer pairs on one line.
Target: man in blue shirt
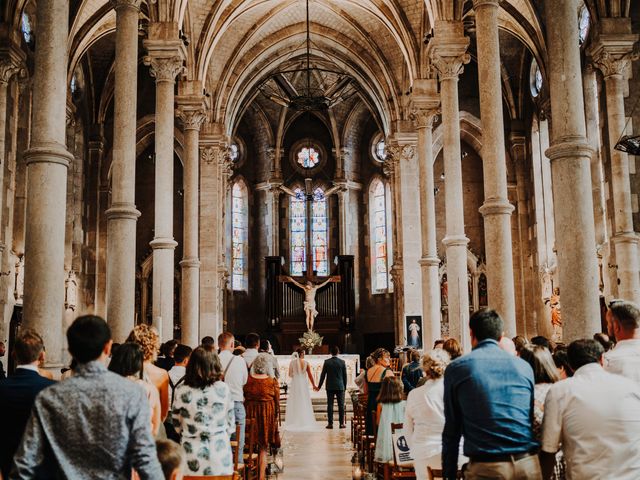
{"points": [[488, 399]]}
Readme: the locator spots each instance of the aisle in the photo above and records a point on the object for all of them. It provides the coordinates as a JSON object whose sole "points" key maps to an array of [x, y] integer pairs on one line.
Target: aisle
{"points": [[322, 455]]}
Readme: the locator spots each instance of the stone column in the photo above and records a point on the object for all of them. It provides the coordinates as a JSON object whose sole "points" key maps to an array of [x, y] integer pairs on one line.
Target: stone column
{"points": [[165, 62], [570, 156], [611, 54], [122, 214], [496, 208], [192, 114], [47, 162], [448, 55], [425, 108]]}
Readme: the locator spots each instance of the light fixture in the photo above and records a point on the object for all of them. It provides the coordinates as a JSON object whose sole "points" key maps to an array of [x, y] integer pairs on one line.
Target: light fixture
{"points": [[322, 87]]}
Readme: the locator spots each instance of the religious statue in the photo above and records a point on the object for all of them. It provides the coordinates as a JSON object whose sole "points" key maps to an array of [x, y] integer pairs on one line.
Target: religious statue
{"points": [[556, 314], [310, 290], [414, 334]]}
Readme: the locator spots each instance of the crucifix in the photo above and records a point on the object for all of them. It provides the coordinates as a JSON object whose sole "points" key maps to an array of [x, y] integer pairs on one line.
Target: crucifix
{"points": [[311, 283]]}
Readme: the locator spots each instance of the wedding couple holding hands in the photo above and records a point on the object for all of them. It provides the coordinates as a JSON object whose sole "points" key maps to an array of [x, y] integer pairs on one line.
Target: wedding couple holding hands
{"points": [[299, 415]]}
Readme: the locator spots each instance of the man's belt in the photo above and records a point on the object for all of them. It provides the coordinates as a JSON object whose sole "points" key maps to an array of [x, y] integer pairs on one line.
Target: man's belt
{"points": [[506, 457]]}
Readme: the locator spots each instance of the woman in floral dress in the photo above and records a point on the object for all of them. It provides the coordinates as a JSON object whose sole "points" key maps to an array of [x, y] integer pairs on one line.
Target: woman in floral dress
{"points": [[203, 414]]}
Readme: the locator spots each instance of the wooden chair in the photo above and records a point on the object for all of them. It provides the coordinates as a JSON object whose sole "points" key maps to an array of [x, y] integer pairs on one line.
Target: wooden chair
{"points": [[236, 455], [395, 365], [251, 458], [394, 469]]}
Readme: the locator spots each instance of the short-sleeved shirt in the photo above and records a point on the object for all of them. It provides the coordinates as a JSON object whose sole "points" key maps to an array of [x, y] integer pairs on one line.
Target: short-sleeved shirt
{"points": [[624, 359], [595, 416]]}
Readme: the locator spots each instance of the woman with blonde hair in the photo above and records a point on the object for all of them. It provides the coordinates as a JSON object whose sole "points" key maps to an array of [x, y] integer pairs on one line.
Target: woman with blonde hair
{"points": [[424, 414], [149, 340]]}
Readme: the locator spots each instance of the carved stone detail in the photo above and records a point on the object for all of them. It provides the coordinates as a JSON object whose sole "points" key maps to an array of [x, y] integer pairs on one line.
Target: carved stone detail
{"points": [[423, 117], [192, 119], [611, 64], [164, 69], [207, 155], [9, 68]]}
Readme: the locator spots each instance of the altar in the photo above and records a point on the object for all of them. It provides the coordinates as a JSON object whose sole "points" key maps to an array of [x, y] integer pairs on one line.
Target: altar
{"points": [[316, 362]]}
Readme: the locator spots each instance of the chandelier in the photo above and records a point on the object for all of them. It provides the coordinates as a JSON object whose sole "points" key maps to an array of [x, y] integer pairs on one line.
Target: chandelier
{"points": [[301, 86]]}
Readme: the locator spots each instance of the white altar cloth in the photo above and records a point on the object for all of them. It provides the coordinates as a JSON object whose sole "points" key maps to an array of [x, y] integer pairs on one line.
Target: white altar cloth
{"points": [[316, 361]]}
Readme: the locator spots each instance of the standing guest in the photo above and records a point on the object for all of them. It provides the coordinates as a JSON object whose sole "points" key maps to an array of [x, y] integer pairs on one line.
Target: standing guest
{"points": [[424, 414], [488, 395], [623, 324], [604, 340], [262, 402], [561, 361], [66, 433], [147, 337], [411, 372], [334, 370], [453, 348], [238, 351], [374, 377], [265, 347], [181, 357], [360, 380], [128, 362], [3, 350], [252, 341], [438, 343], [520, 342], [208, 342], [595, 416], [508, 346], [17, 394], [390, 410], [543, 342], [165, 360], [235, 376], [203, 413], [171, 457]]}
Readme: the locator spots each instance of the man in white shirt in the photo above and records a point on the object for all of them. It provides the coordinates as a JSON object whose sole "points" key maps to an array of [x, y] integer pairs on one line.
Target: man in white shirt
{"points": [[623, 323], [251, 342], [595, 416], [181, 356], [235, 376]]}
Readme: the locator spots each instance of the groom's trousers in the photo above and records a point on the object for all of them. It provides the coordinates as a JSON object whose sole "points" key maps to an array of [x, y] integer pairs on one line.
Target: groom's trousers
{"points": [[339, 396]]}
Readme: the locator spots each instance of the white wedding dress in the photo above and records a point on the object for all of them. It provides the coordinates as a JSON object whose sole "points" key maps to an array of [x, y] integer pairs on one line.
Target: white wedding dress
{"points": [[299, 414]]}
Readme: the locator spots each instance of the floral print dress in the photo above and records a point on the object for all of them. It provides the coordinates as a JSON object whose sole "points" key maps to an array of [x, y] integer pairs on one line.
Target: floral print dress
{"points": [[204, 417]]}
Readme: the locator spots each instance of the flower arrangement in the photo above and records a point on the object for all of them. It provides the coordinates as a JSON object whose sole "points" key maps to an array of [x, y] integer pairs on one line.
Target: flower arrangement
{"points": [[310, 340]]}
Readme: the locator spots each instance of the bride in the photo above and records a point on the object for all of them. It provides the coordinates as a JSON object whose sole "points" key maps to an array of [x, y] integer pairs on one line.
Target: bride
{"points": [[299, 415]]}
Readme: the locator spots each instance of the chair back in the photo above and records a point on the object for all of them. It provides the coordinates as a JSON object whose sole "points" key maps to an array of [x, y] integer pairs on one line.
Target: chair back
{"points": [[235, 448]]}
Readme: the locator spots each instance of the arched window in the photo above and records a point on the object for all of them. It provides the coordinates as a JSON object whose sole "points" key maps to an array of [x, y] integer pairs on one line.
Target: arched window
{"points": [[535, 79], [545, 230], [239, 220], [583, 23], [319, 232], [379, 221]]}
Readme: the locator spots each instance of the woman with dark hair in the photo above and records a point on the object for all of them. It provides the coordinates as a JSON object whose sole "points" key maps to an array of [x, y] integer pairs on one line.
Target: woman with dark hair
{"points": [[203, 413], [374, 377], [561, 361], [127, 361], [390, 410]]}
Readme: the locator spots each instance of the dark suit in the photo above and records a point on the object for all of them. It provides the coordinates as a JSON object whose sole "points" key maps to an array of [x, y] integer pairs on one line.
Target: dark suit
{"points": [[335, 370], [17, 394]]}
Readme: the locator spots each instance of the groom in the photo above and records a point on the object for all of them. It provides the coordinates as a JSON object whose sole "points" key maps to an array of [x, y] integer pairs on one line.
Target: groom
{"points": [[336, 372]]}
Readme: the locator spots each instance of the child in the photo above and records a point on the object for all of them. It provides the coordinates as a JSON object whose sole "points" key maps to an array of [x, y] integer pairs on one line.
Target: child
{"points": [[171, 458], [390, 410]]}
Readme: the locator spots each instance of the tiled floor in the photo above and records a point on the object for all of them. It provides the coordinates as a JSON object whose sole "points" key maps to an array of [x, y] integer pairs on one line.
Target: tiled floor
{"points": [[321, 455]]}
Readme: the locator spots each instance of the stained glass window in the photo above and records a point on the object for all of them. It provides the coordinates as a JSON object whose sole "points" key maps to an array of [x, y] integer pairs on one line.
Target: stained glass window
{"points": [[319, 232], [379, 236], [234, 152], [381, 151], [74, 83], [308, 157], [239, 237], [298, 217], [583, 23], [27, 31], [535, 79]]}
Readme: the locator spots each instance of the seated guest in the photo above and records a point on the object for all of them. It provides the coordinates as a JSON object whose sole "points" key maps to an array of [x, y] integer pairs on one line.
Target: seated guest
{"points": [[623, 323], [411, 372], [265, 347], [262, 403], [147, 337], [595, 416], [453, 348], [424, 414], [171, 457], [252, 341], [127, 361], [181, 357], [94, 424], [488, 395], [561, 361], [165, 360], [390, 410], [17, 394], [202, 413]]}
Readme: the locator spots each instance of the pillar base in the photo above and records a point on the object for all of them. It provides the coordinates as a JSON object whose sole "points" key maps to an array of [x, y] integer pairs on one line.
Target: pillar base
{"points": [[496, 206], [455, 240], [429, 262], [163, 243]]}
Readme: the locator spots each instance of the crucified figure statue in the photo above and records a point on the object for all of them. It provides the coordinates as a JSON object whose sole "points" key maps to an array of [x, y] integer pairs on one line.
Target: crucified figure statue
{"points": [[310, 290]]}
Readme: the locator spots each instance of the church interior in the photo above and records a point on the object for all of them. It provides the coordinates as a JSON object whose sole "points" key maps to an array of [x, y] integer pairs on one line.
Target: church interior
{"points": [[175, 162]]}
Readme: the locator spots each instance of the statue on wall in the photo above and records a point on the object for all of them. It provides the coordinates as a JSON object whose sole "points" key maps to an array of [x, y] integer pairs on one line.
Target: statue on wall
{"points": [[556, 314], [444, 290], [310, 290]]}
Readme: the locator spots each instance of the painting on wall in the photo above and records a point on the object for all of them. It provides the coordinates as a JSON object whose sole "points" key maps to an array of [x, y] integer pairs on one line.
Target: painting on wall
{"points": [[414, 331]]}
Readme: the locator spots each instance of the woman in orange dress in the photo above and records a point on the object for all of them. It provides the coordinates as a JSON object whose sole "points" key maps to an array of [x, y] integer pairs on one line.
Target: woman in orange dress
{"points": [[262, 403]]}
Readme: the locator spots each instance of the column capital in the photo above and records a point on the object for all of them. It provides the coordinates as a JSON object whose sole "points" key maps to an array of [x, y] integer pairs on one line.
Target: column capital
{"points": [[166, 53], [611, 54], [485, 3], [126, 4], [393, 152], [449, 55], [12, 62], [192, 119], [423, 117]]}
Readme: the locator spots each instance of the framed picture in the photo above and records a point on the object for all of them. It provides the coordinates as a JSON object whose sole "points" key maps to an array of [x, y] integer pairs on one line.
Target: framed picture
{"points": [[413, 325]]}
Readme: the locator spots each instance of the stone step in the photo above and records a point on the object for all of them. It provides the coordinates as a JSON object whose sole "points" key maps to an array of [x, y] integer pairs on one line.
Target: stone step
{"points": [[319, 405]]}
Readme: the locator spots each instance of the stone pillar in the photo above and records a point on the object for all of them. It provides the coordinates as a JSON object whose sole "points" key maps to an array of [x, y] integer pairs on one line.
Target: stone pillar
{"points": [[165, 62], [611, 54], [192, 115], [122, 214], [496, 208], [425, 108], [448, 55], [47, 162], [570, 156]]}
